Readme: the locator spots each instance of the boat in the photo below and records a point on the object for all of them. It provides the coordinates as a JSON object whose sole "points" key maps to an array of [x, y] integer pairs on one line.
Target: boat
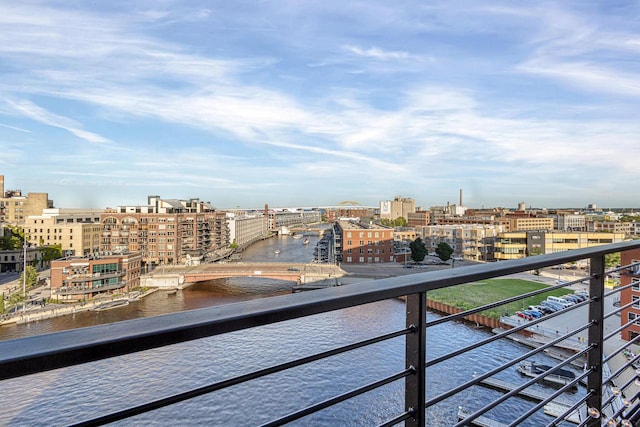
{"points": [[172, 291], [556, 376], [135, 296], [277, 251], [111, 304], [306, 241], [297, 236]]}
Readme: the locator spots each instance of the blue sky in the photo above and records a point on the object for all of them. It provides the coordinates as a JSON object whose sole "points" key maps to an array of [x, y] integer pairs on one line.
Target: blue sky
{"points": [[243, 103]]}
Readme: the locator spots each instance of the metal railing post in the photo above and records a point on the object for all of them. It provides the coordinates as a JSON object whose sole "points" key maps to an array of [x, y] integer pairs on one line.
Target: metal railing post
{"points": [[596, 336], [415, 384]]}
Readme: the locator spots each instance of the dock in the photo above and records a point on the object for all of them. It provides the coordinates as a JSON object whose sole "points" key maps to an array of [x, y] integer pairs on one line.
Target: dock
{"points": [[481, 421], [554, 408], [526, 393]]}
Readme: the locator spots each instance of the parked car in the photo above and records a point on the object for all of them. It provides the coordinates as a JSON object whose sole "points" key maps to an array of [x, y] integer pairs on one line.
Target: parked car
{"points": [[523, 315], [571, 298], [551, 306], [533, 313]]}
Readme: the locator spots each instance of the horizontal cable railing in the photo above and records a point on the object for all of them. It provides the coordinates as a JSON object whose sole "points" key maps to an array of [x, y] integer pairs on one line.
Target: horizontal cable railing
{"points": [[607, 396]]}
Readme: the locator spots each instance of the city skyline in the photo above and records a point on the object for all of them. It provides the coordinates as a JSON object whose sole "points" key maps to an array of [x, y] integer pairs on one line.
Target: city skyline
{"points": [[296, 104]]}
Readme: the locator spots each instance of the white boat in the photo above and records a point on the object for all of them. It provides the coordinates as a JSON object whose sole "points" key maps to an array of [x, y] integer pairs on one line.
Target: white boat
{"points": [[297, 236], [306, 241], [277, 251]]}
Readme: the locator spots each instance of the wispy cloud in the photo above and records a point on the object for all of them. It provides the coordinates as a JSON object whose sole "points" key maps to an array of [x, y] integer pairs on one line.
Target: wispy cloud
{"points": [[14, 128], [41, 115]]}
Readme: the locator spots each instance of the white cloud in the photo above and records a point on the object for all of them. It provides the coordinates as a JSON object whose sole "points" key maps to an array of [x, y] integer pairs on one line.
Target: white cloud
{"points": [[41, 115]]}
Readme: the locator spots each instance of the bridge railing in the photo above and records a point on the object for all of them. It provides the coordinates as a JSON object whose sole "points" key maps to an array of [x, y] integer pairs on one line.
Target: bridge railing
{"points": [[600, 403]]}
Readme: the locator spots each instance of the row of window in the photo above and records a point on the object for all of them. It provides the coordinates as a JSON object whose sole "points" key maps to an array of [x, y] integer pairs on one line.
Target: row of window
{"points": [[369, 251]]}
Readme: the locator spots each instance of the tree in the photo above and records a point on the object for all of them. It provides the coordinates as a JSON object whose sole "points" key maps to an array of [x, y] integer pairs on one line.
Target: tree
{"points": [[51, 252], [400, 222], [612, 260], [418, 250], [444, 251], [32, 276]]}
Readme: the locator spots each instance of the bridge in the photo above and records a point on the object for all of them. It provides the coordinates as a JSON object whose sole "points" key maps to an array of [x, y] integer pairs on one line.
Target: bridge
{"points": [[180, 276]]}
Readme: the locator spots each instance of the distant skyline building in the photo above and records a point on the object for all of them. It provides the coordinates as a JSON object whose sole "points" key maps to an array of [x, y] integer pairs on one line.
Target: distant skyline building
{"points": [[396, 208], [15, 208]]}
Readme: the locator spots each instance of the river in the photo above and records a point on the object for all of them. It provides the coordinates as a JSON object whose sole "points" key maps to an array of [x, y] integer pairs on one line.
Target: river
{"points": [[73, 394]]}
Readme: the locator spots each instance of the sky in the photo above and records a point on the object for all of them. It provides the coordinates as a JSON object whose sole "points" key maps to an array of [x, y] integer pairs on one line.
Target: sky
{"points": [[312, 103]]}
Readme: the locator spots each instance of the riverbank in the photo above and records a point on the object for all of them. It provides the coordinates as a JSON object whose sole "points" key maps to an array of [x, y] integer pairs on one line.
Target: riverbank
{"points": [[55, 310]]}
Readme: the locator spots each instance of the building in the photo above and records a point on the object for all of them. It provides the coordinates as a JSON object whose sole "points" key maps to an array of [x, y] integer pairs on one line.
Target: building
{"points": [[630, 276], [165, 231], [15, 208], [362, 213], [418, 218], [610, 227], [526, 222], [364, 244], [291, 217], [472, 242], [246, 228], [76, 231], [13, 259], [81, 278], [571, 222], [396, 208], [520, 244]]}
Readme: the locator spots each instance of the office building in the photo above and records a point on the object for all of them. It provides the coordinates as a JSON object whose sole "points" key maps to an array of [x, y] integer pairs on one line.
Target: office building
{"points": [[81, 278], [396, 208]]}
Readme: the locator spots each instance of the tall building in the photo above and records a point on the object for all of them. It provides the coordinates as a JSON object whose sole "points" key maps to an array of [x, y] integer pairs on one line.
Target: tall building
{"points": [[396, 208], [166, 230], [364, 244]]}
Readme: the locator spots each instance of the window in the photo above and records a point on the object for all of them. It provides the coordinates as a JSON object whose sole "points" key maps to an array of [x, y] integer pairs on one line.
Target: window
{"points": [[635, 299], [632, 317]]}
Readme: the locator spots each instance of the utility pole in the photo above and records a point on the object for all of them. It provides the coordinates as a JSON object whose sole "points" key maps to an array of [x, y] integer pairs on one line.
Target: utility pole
{"points": [[24, 273]]}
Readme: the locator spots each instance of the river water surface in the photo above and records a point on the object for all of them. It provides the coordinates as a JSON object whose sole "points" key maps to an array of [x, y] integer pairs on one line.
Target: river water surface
{"points": [[73, 394]]}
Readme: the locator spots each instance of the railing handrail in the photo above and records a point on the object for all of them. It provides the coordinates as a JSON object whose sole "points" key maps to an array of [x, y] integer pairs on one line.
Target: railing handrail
{"points": [[61, 349]]}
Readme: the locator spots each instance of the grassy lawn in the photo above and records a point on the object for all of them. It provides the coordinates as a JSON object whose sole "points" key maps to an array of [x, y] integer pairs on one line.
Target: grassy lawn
{"points": [[472, 295]]}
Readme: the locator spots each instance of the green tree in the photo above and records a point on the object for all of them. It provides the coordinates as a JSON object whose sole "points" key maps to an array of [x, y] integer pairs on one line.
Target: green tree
{"points": [[418, 250], [386, 222], [32, 277], [611, 260], [444, 251], [400, 222], [51, 252]]}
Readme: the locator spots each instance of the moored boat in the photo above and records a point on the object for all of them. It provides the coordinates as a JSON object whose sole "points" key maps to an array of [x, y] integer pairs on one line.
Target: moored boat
{"points": [[555, 376]]}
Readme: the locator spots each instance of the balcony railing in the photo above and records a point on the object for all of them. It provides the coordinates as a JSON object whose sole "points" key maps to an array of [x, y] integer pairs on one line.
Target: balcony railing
{"points": [[600, 404]]}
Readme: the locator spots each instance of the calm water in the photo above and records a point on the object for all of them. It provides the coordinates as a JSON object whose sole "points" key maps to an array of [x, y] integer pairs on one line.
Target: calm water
{"points": [[73, 394]]}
